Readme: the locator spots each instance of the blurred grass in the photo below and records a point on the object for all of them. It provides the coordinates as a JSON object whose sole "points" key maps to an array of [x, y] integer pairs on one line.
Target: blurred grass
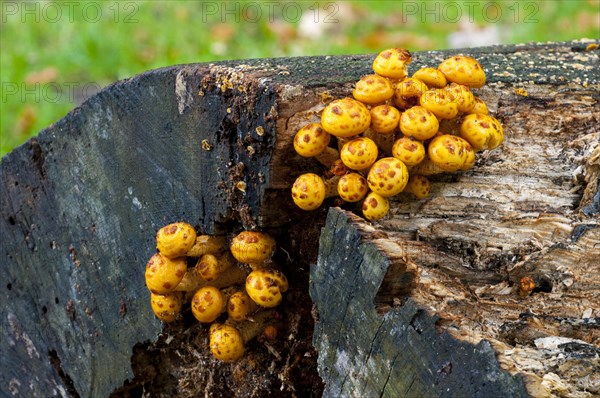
{"points": [[50, 65]]}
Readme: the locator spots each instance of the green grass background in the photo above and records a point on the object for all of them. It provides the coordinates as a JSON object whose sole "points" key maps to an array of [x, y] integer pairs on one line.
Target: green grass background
{"points": [[52, 61]]}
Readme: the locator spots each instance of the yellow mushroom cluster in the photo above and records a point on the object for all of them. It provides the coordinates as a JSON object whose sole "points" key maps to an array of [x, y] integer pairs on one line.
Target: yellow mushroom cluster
{"points": [[231, 285], [395, 131]]}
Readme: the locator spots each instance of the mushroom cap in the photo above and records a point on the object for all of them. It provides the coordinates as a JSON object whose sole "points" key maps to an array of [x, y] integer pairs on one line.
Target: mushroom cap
{"points": [[345, 118], [479, 107], [174, 240], [418, 185], [252, 247], [463, 69], [264, 286], [469, 157], [408, 91], [482, 131], [352, 187], [440, 102], [419, 122], [410, 152], [226, 343], [384, 119], [207, 304], [338, 168], [392, 63], [311, 140], [166, 307], [308, 191], [239, 306], [388, 177], [373, 89], [359, 153], [432, 77], [208, 267], [448, 152], [375, 206], [163, 274], [463, 96]]}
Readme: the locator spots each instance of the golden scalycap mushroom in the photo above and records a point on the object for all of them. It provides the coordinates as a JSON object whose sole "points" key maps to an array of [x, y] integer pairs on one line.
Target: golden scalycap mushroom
{"points": [[375, 206], [448, 152], [164, 274], [440, 102], [419, 123], [408, 92], [359, 153], [166, 307], [240, 306], [311, 140], [226, 343], [252, 247], [419, 186], [308, 191], [373, 89], [352, 187], [207, 304], [388, 177], [462, 95], [345, 117], [174, 240], [210, 266], [264, 286], [392, 63], [480, 107], [410, 152], [384, 119], [432, 77], [482, 131], [463, 69]]}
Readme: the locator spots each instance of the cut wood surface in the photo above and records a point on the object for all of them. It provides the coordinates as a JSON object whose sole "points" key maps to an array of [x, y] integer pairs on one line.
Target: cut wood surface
{"points": [[211, 144]]}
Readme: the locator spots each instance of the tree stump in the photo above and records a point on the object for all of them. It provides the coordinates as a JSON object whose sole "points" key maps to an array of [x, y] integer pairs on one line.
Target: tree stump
{"points": [[424, 303]]}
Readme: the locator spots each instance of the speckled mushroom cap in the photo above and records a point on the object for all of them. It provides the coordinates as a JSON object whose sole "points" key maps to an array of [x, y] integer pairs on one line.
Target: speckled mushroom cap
{"points": [[240, 306], [419, 123], [432, 77], [208, 267], [463, 96], [308, 191], [264, 286], [359, 153], [164, 274], [226, 343], [440, 102], [311, 140], [207, 304], [448, 152], [388, 177], [352, 187], [373, 89], [419, 186], [252, 247], [408, 92], [482, 131], [410, 152], [375, 206], [174, 240], [463, 69], [384, 119], [166, 307], [345, 118], [480, 107], [392, 63]]}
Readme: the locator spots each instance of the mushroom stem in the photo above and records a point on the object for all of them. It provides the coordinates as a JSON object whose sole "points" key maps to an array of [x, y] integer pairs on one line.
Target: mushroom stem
{"points": [[427, 168], [192, 280], [328, 156], [207, 244], [255, 325], [210, 266], [383, 141], [331, 186]]}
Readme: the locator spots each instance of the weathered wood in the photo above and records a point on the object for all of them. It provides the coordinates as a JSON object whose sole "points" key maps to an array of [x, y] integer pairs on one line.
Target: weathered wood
{"points": [[427, 303], [81, 202]]}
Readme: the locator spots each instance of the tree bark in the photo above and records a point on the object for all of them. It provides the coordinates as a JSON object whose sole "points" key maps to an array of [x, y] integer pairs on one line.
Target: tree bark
{"points": [[211, 144]]}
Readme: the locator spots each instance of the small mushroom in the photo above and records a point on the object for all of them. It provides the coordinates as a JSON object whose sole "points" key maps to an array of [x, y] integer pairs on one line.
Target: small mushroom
{"points": [[384, 119], [408, 92], [359, 153], [210, 266], [432, 77], [388, 177], [480, 107], [375, 206], [252, 247], [207, 244], [174, 240], [463, 69], [373, 89], [163, 274], [313, 141], [482, 131], [411, 152], [392, 63], [264, 286], [167, 306], [448, 152], [345, 118], [462, 96], [240, 306], [419, 122], [440, 102], [208, 303], [308, 191], [419, 186], [352, 187]]}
